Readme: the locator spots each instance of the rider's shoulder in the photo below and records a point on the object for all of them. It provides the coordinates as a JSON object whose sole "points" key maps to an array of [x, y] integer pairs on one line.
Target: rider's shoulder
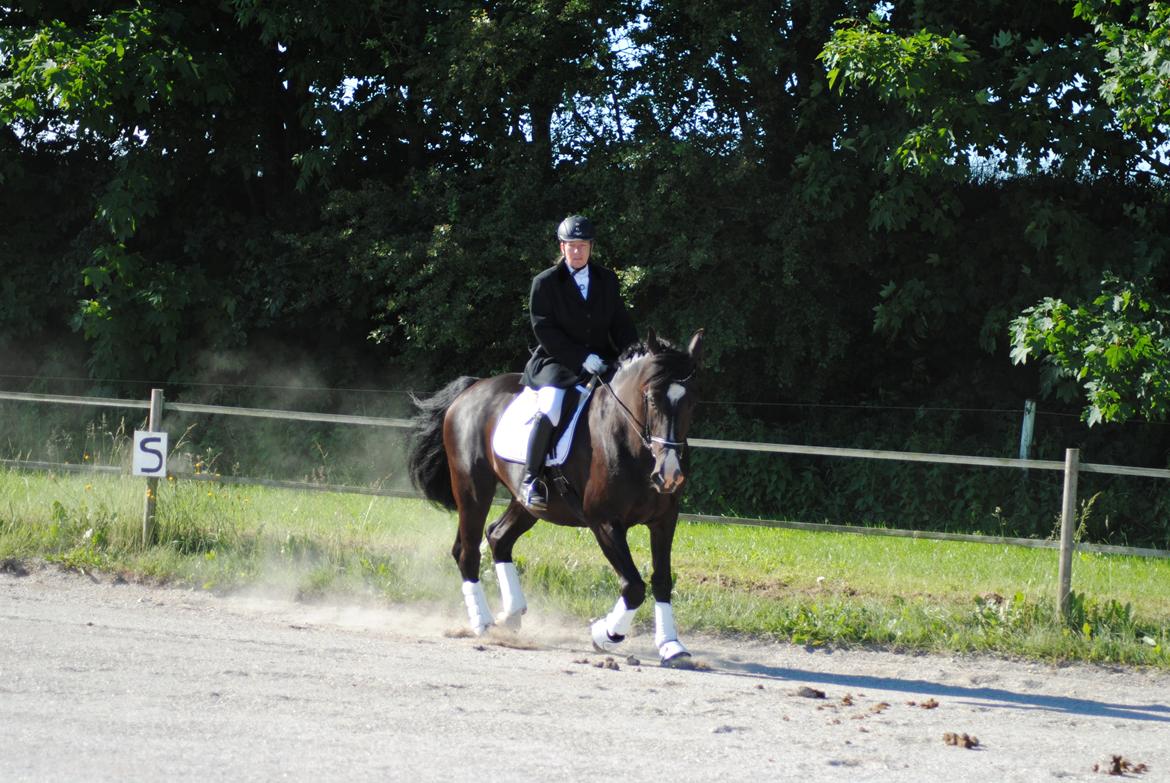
{"points": [[547, 274]]}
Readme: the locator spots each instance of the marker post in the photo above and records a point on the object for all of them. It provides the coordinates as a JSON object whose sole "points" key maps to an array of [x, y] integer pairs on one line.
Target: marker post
{"points": [[150, 460]]}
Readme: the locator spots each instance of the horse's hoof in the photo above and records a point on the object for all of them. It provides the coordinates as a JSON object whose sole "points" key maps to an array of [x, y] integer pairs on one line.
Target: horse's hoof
{"points": [[509, 622], [603, 641], [673, 654]]}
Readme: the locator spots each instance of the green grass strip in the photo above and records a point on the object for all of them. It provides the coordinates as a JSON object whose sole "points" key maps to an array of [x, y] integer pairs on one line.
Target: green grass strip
{"points": [[813, 588]]}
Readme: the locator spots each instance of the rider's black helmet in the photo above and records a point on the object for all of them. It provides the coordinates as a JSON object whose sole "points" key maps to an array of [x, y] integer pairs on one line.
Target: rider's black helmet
{"points": [[575, 227]]}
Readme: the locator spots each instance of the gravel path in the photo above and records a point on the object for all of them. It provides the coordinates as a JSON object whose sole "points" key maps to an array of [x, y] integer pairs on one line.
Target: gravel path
{"points": [[104, 680]]}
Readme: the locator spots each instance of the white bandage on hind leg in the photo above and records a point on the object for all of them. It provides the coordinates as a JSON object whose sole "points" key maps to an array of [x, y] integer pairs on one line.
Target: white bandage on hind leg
{"points": [[664, 630], [619, 621], [510, 592], [477, 609]]}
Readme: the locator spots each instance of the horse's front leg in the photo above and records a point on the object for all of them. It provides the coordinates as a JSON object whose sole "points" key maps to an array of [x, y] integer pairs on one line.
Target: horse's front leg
{"points": [[611, 630], [665, 633]]}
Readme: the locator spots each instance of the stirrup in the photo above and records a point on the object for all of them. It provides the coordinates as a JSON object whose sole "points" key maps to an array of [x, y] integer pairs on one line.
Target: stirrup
{"points": [[534, 494]]}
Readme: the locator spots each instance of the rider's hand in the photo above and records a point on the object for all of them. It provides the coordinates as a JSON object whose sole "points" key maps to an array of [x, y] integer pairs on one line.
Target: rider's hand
{"points": [[593, 364]]}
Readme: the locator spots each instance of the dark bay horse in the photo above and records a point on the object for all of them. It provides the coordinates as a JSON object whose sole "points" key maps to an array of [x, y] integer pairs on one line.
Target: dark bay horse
{"points": [[626, 468]]}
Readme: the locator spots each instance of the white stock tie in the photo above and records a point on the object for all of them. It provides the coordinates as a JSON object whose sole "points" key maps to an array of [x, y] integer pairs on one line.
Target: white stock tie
{"points": [[581, 278]]}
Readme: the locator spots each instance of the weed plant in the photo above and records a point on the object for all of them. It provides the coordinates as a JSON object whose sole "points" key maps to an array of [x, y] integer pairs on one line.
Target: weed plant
{"points": [[803, 587]]}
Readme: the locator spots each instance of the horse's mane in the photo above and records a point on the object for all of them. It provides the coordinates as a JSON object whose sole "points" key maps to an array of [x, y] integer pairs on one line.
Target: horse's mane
{"points": [[666, 365]]}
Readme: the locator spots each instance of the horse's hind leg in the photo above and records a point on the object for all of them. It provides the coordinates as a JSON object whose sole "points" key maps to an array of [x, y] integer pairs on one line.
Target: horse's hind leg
{"points": [[473, 509], [502, 535]]}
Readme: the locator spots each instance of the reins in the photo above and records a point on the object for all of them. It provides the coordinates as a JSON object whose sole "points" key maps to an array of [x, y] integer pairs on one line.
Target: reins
{"points": [[642, 428]]}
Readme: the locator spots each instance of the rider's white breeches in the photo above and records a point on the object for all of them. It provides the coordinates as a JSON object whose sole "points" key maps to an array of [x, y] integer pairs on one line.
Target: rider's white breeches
{"points": [[548, 402]]}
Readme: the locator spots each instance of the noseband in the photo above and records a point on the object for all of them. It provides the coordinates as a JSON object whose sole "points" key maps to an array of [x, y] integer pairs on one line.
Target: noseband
{"points": [[643, 428]]}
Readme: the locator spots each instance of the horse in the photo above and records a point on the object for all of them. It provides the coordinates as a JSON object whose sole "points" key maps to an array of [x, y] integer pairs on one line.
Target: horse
{"points": [[628, 462]]}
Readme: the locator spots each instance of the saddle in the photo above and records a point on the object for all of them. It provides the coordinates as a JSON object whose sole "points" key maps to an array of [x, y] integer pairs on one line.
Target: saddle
{"points": [[510, 440]]}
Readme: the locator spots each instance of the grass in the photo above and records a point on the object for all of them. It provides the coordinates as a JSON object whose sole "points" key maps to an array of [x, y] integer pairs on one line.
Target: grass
{"points": [[805, 587]]}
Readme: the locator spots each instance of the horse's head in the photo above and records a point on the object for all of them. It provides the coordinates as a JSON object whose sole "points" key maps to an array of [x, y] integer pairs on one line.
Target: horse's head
{"points": [[663, 378]]}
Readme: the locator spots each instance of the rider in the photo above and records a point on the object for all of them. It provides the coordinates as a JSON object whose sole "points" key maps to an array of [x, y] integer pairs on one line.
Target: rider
{"points": [[581, 325]]}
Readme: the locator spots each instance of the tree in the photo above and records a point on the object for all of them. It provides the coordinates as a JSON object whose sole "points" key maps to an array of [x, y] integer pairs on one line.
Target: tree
{"points": [[1117, 348], [158, 99], [1008, 113], [1115, 344], [1134, 38]]}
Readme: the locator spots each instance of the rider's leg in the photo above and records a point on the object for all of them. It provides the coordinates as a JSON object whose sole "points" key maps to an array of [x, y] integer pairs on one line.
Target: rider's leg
{"points": [[533, 492]]}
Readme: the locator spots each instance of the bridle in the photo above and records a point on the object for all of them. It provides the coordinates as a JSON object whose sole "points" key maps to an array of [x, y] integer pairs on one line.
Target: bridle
{"points": [[643, 428]]}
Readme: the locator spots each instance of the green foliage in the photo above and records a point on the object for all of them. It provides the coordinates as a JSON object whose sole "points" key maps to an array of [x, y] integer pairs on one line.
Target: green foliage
{"points": [[1116, 347], [1135, 41], [923, 73], [373, 169]]}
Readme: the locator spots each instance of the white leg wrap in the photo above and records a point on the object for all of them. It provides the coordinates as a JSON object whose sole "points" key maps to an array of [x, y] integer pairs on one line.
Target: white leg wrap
{"points": [[510, 593], [671, 650], [617, 623], [477, 609], [665, 633], [664, 630]]}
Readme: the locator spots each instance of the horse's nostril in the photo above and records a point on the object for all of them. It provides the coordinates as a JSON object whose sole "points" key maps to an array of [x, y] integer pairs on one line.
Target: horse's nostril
{"points": [[667, 486]]}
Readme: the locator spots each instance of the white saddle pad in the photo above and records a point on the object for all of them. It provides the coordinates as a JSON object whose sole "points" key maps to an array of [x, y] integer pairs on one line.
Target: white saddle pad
{"points": [[510, 441]]}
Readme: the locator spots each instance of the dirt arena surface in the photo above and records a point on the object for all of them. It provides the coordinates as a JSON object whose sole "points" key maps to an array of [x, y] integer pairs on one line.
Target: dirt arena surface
{"points": [[105, 680]]}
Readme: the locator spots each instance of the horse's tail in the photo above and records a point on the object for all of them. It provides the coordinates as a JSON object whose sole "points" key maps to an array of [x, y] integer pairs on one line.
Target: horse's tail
{"points": [[429, 470]]}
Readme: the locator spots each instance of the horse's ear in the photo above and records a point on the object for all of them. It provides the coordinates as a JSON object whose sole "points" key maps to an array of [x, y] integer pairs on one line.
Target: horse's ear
{"points": [[695, 347], [652, 344]]}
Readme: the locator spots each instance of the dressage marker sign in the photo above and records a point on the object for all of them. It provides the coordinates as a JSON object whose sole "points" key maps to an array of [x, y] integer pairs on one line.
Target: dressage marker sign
{"points": [[150, 454]]}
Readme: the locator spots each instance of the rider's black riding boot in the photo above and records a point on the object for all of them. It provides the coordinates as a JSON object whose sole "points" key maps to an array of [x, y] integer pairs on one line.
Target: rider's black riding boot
{"points": [[533, 492]]}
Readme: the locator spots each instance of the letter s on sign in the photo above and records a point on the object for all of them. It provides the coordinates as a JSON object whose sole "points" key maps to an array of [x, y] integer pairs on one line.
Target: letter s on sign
{"points": [[150, 454]]}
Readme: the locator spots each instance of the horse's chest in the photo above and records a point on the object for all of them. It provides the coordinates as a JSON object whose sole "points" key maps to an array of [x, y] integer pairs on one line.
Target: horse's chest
{"points": [[632, 504]]}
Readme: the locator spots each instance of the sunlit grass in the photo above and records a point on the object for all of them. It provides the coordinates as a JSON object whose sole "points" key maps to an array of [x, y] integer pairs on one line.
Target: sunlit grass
{"points": [[836, 588], [806, 587]]}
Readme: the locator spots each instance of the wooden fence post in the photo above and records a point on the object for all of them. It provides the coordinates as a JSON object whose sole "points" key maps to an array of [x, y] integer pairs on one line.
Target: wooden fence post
{"points": [[153, 422], [1027, 428], [1068, 526]]}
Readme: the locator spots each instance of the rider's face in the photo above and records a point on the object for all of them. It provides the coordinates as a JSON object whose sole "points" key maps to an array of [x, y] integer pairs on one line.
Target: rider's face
{"points": [[577, 252]]}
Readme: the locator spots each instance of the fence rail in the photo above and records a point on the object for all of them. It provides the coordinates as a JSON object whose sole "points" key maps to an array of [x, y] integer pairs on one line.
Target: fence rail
{"points": [[913, 456], [1070, 467], [64, 399], [698, 443], [222, 410]]}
